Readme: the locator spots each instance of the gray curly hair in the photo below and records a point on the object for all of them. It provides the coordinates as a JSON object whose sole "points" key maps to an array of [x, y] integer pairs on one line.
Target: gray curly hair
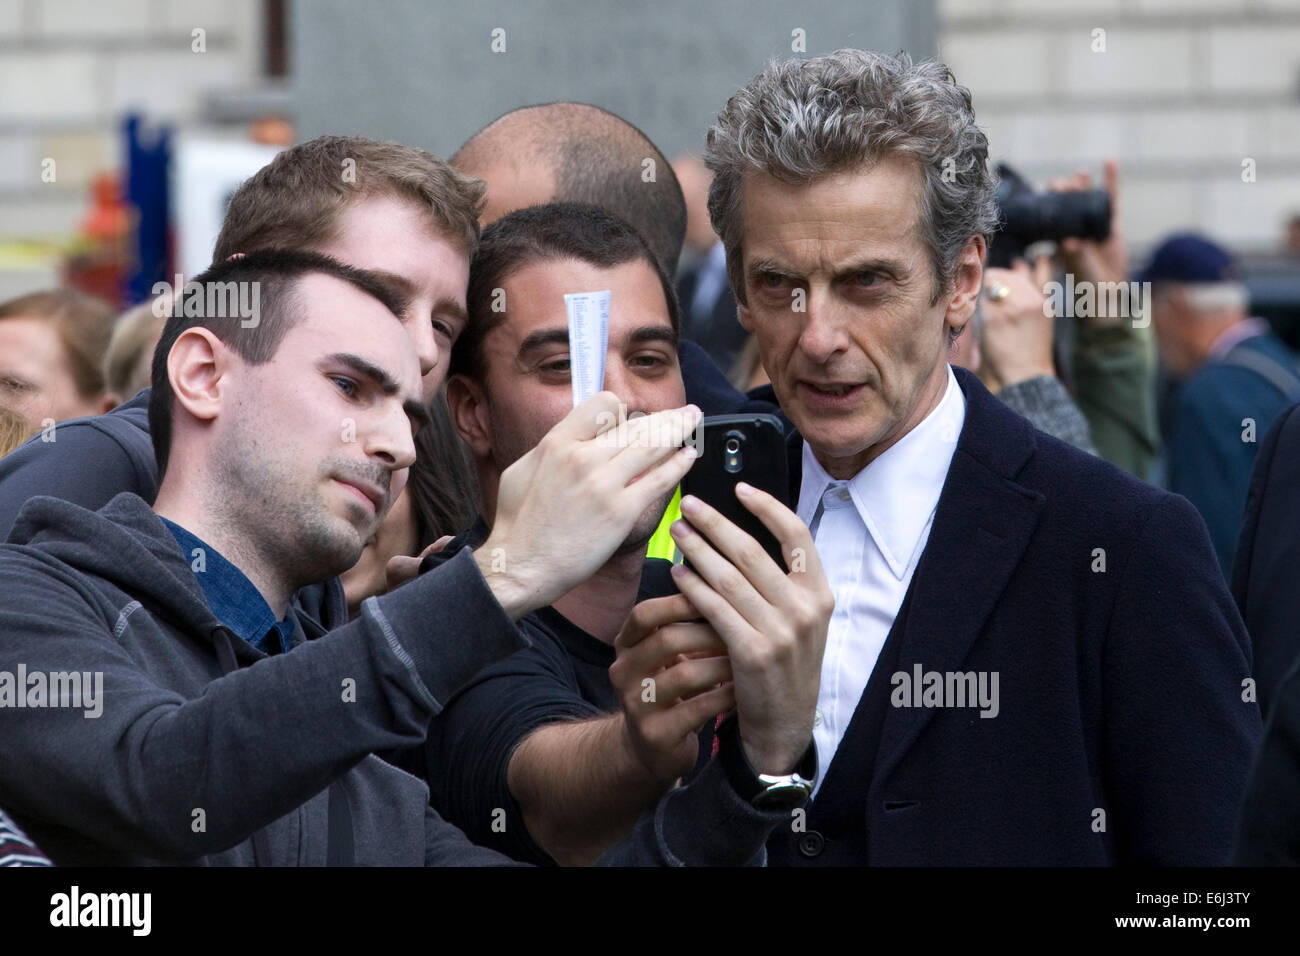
{"points": [[799, 119]]}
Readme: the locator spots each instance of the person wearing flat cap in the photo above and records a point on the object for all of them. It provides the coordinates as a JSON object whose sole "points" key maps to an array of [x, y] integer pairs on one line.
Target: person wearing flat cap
{"points": [[1232, 378]]}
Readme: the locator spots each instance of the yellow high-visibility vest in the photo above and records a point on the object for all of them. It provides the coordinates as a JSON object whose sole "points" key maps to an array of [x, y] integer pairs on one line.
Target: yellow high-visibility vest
{"points": [[661, 543]]}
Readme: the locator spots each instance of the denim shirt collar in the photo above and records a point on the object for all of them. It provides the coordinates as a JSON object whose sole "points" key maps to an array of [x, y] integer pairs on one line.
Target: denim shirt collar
{"points": [[233, 598]]}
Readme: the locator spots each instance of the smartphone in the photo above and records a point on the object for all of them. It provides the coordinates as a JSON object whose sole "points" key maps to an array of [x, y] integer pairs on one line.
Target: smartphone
{"points": [[735, 448]]}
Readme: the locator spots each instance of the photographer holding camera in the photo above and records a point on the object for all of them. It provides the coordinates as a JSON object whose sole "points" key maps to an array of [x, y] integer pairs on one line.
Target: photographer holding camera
{"points": [[1110, 356], [1010, 348]]}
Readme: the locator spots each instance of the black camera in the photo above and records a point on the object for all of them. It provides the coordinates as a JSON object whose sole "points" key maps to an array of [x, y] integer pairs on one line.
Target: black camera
{"points": [[1026, 217]]}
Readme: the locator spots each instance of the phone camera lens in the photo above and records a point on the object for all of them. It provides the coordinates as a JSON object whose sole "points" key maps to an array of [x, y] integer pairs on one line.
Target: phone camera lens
{"points": [[732, 446]]}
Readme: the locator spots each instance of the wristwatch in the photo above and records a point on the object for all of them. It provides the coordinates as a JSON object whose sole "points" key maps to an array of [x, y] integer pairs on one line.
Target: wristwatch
{"points": [[765, 791]]}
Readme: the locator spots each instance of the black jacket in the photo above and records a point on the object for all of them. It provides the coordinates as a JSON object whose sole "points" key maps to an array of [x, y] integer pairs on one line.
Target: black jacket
{"points": [[1122, 736], [1266, 572], [1266, 584]]}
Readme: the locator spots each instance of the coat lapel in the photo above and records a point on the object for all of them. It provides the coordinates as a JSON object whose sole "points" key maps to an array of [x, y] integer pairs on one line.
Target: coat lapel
{"points": [[982, 527]]}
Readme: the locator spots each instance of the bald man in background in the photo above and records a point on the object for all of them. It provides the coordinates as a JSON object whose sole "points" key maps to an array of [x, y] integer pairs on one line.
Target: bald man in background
{"points": [[575, 152]]}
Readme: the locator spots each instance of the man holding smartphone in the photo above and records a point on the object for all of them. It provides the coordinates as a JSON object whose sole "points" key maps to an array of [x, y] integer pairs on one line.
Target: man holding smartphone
{"points": [[553, 754], [1033, 658], [225, 727]]}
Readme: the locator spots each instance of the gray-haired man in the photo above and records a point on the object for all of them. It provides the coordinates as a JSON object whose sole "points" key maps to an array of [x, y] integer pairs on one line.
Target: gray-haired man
{"points": [[981, 569]]}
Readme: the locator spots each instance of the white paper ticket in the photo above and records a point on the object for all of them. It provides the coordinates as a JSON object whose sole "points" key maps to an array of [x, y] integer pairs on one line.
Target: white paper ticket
{"points": [[588, 341]]}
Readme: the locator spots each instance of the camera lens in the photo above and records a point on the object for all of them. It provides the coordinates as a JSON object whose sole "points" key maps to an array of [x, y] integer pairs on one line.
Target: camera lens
{"points": [[732, 446]]}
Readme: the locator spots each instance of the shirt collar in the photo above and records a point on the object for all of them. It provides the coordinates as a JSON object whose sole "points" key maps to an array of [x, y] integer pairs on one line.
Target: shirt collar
{"points": [[896, 494], [1238, 332], [232, 597]]}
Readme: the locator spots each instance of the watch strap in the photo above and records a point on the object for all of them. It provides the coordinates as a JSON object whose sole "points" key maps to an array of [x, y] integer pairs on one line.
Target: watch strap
{"points": [[748, 782]]}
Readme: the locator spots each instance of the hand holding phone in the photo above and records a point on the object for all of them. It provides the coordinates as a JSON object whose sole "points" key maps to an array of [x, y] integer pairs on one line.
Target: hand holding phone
{"points": [[772, 620]]}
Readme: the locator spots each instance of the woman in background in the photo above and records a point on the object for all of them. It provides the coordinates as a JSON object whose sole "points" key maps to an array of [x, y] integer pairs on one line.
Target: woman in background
{"points": [[52, 345]]}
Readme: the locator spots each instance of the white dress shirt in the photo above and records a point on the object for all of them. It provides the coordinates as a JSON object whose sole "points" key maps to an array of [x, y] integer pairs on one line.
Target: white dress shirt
{"points": [[869, 532]]}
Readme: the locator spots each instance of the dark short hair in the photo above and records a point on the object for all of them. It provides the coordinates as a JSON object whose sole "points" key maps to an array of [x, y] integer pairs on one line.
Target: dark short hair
{"points": [[276, 274], [596, 157], [537, 234]]}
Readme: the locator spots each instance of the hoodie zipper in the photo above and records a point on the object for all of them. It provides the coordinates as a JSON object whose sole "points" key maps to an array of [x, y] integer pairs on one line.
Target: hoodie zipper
{"points": [[340, 849], [226, 657]]}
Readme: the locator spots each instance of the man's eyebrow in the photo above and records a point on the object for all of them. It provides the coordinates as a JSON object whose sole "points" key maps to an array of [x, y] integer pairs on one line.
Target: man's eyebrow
{"points": [[894, 267], [452, 309], [414, 409], [654, 333], [367, 369], [542, 338], [765, 265], [15, 379], [403, 287]]}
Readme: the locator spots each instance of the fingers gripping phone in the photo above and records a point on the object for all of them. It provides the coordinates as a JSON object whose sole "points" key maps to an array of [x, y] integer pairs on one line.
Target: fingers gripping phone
{"points": [[735, 448]]}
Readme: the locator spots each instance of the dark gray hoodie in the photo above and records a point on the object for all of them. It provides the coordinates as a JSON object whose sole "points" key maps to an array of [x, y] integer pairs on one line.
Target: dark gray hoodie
{"points": [[202, 750]]}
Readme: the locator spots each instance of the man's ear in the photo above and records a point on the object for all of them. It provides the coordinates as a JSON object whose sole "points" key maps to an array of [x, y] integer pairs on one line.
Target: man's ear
{"points": [[467, 403], [196, 366], [968, 281]]}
